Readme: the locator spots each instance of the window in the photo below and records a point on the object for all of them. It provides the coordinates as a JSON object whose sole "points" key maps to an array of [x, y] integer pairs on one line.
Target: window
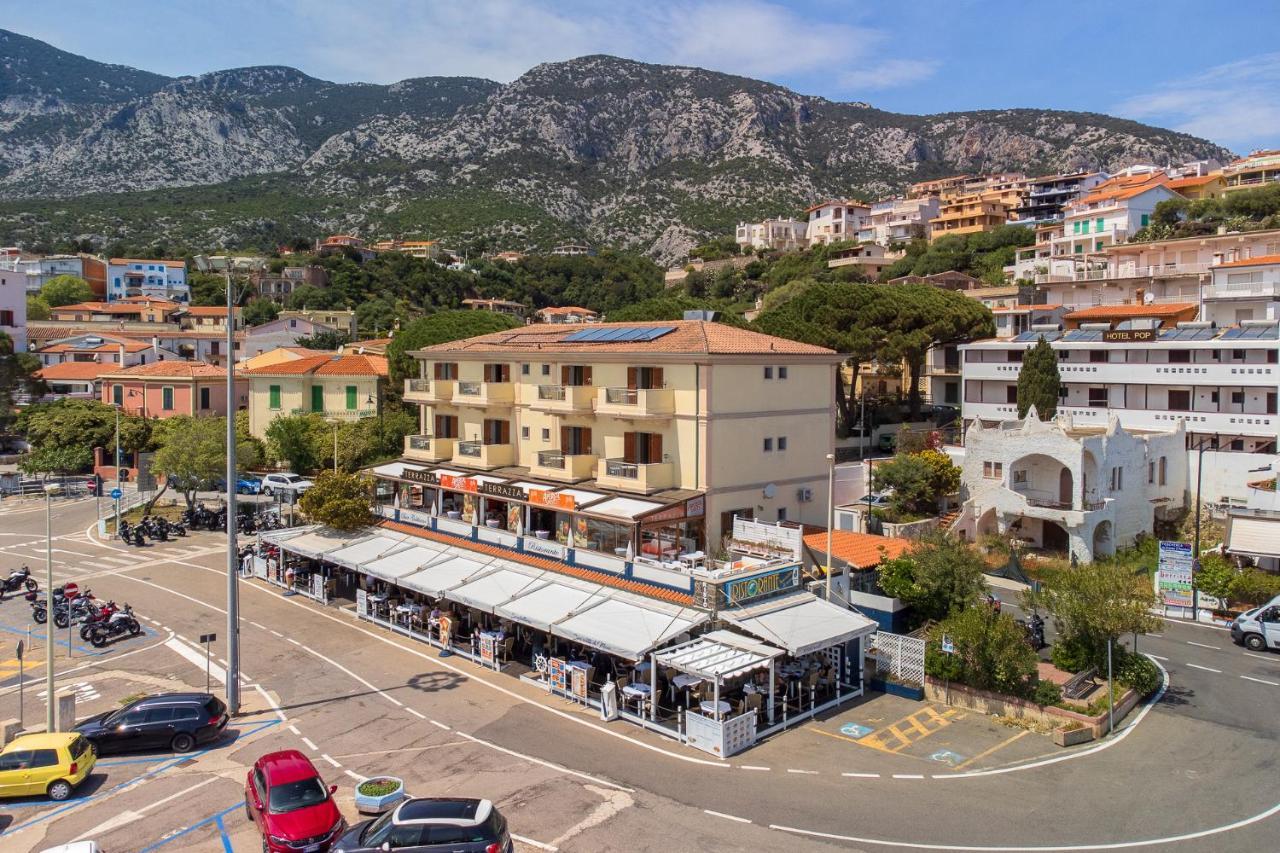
{"points": [[782, 372], [446, 426], [524, 369], [1079, 250], [768, 445], [44, 758], [1098, 398], [1075, 227], [1097, 355], [768, 373], [274, 395], [993, 470], [204, 398], [1146, 219], [782, 442], [117, 394], [1236, 444], [546, 434], [1180, 401], [1117, 479], [1098, 245], [1099, 225], [1237, 355], [1237, 398], [524, 432], [1011, 394], [6, 318], [166, 398], [1020, 477], [782, 513], [1013, 355], [1179, 356], [160, 715], [546, 370], [1151, 471], [1271, 402], [317, 398], [1164, 470], [351, 398]]}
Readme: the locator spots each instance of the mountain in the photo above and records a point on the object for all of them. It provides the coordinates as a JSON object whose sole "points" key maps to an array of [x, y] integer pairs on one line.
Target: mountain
{"points": [[648, 157]]}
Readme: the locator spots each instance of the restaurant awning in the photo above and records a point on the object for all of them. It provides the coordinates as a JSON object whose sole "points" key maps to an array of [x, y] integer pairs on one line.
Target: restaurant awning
{"points": [[627, 625], [446, 573], [553, 601], [719, 655], [1253, 537], [316, 541], [380, 544], [403, 562], [497, 587], [800, 622]]}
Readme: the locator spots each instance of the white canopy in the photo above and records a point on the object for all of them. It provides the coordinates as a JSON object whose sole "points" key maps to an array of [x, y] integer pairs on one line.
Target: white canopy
{"points": [[317, 541], [403, 562], [800, 623], [627, 508], [553, 601], [719, 655], [1256, 537], [434, 579], [497, 587], [627, 625], [355, 555]]}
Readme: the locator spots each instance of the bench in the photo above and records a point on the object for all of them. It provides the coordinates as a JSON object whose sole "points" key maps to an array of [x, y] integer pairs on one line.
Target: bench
{"points": [[1080, 684]]}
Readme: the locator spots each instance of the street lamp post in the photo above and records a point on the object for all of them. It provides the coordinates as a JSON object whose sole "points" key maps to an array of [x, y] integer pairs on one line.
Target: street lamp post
{"points": [[117, 466], [831, 513], [233, 564], [1195, 548], [50, 490]]}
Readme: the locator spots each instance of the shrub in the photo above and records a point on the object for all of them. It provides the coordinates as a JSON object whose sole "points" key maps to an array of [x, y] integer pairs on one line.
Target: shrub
{"points": [[1046, 693], [991, 652], [1136, 672], [1254, 587], [377, 787], [1071, 655]]}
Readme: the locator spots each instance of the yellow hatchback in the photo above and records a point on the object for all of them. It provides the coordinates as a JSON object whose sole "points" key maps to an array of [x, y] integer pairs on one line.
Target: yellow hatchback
{"points": [[45, 764]]}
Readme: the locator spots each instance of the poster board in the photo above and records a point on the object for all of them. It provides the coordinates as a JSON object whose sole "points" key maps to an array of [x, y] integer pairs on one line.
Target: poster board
{"points": [[362, 602], [557, 674], [1174, 574], [488, 647], [578, 683], [446, 630]]}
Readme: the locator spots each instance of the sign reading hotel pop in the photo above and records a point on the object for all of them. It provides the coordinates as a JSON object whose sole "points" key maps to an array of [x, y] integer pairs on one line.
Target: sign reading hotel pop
{"points": [[1130, 336], [552, 500], [458, 484]]}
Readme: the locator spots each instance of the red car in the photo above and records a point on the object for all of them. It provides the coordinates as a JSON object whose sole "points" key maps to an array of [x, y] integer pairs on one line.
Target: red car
{"points": [[287, 799]]}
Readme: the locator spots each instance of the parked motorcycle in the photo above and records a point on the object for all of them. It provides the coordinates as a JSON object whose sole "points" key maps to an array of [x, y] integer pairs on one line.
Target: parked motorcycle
{"points": [[1035, 631], [18, 580], [155, 528], [120, 623], [95, 616]]}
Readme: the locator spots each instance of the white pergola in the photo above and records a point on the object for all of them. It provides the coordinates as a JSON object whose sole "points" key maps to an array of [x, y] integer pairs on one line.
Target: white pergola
{"points": [[716, 656]]}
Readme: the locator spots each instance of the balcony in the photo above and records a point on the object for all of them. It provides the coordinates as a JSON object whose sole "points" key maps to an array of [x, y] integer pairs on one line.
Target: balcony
{"points": [[337, 414], [428, 448], [635, 476], [1244, 290], [636, 402], [563, 398], [569, 467], [428, 390], [483, 394], [477, 454]]}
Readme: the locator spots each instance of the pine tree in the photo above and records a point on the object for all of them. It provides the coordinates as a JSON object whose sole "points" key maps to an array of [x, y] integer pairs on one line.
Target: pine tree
{"points": [[1039, 381]]}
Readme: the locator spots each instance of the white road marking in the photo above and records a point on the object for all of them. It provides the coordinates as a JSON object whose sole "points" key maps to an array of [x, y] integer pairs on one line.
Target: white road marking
{"points": [[256, 625], [275, 706], [1205, 668], [908, 775], [802, 772], [615, 786], [726, 816], [861, 775], [128, 816], [416, 713], [1261, 680], [1157, 657], [295, 642], [216, 672], [329, 759], [533, 843], [751, 767], [354, 775], [439, 724], [294, 729], [310, 745], [1271, 658], [1203, 645], [119, 561], [277, 633]]}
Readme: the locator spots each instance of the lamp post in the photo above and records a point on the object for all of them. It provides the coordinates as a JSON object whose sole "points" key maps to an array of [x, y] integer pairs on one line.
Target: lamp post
{"points": [[50, 490], [831, 513], [1195, 548], [233, 564], [335, 447], [117, 466]]}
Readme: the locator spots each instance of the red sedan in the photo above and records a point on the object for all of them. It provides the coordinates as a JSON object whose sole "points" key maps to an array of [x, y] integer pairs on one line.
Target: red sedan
{"points": [[294, 810]]}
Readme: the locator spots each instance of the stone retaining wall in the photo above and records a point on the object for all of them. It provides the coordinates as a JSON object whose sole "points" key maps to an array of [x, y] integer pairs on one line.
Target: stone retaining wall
{"points": [[984, 702]]}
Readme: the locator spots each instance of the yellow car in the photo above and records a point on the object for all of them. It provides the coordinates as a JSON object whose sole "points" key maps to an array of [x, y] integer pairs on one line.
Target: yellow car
{"points": [[45, 764]]}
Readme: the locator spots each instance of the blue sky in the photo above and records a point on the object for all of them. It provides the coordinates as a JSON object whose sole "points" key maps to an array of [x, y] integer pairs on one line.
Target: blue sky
{"points": [[1208, 69]]}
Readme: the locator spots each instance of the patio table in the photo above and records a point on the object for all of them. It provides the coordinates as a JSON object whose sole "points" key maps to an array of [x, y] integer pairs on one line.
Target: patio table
{"points": [[717, 709], [638, 692], [683, 681]]}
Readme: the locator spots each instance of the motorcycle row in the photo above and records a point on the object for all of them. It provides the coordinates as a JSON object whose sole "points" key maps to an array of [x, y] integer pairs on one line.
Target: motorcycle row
{"points": [[150, 527], [100, 622], [201, 517]]}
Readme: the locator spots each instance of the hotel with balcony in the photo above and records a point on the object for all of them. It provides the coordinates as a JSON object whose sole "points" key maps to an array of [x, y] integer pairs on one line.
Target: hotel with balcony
{"points": [[968, 214], [783, 235], [1256, 170], [835, 221], [1047, 197], [898, 220]]}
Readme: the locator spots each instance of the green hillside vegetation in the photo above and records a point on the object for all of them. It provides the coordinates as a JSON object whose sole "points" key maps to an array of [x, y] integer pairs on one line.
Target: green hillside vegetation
{"points": [[1243, 210]]}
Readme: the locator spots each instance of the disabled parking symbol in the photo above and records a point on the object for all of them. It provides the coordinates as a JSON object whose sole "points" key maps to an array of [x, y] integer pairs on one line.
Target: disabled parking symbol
{"points": [[855, 731], [946, 756]]}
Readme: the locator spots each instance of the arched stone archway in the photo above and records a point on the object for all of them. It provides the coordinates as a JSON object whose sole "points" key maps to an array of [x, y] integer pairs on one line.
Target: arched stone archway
{"points": [[1066, 487], [1104, 544]]}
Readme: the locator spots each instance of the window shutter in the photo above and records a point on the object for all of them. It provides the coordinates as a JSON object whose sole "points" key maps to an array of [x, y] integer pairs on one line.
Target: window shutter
{"points": [[486, 431], [439, 430], [655, 447], [633, 377], [586, 376], [629, 447], [655, 377], [566, 436], [437, 370], [584, 440], [504, 432], [565, 374], [504, 373]]}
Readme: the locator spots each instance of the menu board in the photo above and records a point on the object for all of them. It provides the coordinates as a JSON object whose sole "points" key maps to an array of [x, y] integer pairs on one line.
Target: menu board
{"points": [[487, 648], [557, 674]]}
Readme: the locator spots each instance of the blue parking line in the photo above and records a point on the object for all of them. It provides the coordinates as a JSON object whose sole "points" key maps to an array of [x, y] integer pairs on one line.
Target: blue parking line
{"points": [[152, 760], [57, 639], [70, 804], [215, 819]]}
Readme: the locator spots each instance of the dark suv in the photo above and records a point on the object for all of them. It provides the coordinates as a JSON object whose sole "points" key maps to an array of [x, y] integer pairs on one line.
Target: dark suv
{"points": [[431, 824], [177, 721]]}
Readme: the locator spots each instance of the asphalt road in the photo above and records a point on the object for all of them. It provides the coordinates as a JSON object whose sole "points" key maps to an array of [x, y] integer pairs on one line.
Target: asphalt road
{"points": [[1194, 772]]}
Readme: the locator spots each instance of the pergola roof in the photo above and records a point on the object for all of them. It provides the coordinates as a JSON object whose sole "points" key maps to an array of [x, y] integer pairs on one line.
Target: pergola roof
{"points": [[719, 655]]}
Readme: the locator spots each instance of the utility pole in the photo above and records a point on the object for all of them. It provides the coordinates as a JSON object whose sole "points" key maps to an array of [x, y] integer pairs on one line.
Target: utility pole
{"points": [[1195, 548], [50, 489], [118, 469], [831, 514], [233, 563]]}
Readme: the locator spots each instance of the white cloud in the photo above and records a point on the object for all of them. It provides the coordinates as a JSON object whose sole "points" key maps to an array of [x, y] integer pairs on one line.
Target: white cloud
{"points": [[888, 74], [1236, 104]]}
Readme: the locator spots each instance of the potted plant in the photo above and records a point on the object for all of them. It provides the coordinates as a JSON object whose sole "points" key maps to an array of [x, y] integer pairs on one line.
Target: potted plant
{"points": [[379, 794], [1071, 734]]}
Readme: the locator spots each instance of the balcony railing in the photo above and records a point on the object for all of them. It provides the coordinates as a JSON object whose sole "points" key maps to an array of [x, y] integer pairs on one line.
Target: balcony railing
{"points": [[551, 392], [417, 386], [470, 389], [636, 402], [337, 414], [420, 442], [472, 449], [622, 396], [551, 459], [625, 470]]}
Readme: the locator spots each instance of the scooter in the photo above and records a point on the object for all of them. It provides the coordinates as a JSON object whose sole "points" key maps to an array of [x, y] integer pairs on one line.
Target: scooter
{"points": [[120, 623], [18, 580]]}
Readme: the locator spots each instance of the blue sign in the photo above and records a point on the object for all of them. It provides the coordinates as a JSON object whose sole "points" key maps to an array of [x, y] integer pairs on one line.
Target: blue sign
{"points": [[855, 731], [116, 494]]}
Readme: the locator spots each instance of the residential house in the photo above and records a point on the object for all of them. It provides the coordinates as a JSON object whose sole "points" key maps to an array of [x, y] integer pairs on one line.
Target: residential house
{"points": [[108, 350], [277, 287], [870, 259], [129, 310], [937, 187], [13, 308], [835, 221], [949, 280], [339, 244], [509, 257], [498, 306], [687, 424], [340, 319], [1048, 196], [208, 318], [973, 213], [158, 279], [779, 234], [336, 386], [165, 389], [1258, 169], [371, 346], [1059, 486], [280, 332], [1197, 187], [1108, 216], [899, 220], [427, 250], [39, 270], [75, 380], [1244, 289], [566, 314], [571, 249]]}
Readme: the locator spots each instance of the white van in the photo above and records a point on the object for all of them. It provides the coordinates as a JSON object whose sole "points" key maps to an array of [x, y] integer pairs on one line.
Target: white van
{"points": [[1258, 629]]}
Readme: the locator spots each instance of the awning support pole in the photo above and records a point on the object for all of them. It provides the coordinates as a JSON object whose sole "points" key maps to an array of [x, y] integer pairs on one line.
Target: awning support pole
{"points": [[771, 663], [716, 698], [653, 687]]}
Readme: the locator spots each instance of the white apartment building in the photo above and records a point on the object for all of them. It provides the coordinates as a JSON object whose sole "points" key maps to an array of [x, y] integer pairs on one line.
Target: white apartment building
{"points": [[834, 221], [1107, 216], [779, 234], [13, 308], [1059, 486], [1048, 195], [158, 279], [899, 220]]}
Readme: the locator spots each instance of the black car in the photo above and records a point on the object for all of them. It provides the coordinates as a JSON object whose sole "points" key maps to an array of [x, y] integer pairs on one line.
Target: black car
{"points": [[432, 824], [177, 721]]}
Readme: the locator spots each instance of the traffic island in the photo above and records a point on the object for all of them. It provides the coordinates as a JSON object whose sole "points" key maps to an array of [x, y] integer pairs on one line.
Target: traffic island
{"points": [[1069, 727]]}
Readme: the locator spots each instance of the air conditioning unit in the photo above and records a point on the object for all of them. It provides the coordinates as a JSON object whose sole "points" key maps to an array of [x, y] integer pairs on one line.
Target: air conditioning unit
{"points": [[804, 495]]}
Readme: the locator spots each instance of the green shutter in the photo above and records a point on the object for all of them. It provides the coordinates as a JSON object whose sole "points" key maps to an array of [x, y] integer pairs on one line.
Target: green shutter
{"points": [[275, 397], [1097, 247], [166, 397], [317, 398], [1146, 220], [1079, 249], [351, 398], [1075, 227], [1099, 225]]}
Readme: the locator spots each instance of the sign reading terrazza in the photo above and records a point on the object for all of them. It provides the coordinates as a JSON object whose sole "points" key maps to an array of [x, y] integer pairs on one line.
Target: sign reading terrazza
{"points": [[428, 477], [1130, 336], [502, 490]]}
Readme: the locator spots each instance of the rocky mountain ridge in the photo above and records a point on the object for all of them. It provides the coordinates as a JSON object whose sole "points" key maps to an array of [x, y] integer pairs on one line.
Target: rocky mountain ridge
{"points": [[648, 157]]}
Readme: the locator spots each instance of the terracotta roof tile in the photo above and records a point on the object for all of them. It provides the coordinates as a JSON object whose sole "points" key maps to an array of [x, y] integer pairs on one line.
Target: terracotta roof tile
{"points": [[172, 369], [1193, 181], [1122, 187], [861, 550], [325, 364], [108, 345], [687, 336], [118, 261], [602, 578], [74, 370], [1252, 262], [1108, 312]]}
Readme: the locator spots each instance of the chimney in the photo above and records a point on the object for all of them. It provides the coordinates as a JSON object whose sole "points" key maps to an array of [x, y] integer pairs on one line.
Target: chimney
{"points": [[1139, 295]]}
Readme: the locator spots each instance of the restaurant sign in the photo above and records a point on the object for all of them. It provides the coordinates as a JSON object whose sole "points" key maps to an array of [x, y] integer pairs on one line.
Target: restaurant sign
{"points": [[552, 500], [545, 548], [416, 475], [458, 484], [502, 490], [761, 586], [1130, 336]]}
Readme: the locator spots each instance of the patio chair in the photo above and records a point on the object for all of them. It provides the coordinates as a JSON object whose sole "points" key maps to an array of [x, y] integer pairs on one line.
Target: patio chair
{"points": [[508, 647], [753, 703], [623, 681]]}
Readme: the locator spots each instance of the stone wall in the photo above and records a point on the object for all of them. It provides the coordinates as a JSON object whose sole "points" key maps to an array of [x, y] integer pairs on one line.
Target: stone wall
{"points": [[985, 702]]}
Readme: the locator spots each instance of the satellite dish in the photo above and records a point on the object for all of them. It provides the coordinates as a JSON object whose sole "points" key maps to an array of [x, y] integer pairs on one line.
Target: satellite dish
{"points": [[1148, 298], [770, 490]]}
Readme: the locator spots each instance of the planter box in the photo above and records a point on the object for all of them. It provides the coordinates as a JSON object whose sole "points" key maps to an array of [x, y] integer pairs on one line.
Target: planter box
{"points": [[366, 804], [1072, 737], [895, 689]]}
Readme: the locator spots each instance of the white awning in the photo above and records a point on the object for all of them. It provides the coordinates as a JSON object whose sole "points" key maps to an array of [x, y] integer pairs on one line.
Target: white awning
{"points": [[800, 623], [497, 587], [627, 625], [318, 541], [355, 555], [628, 508], [401, 563], [719, 655], [1254, 537], [449, 572], [551, 602], [394, 469]]}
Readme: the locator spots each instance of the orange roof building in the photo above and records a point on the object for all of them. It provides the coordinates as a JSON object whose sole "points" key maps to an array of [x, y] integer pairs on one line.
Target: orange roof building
{"points": [[166, 389], [338, 387], [858, 551], [1168, 314]]}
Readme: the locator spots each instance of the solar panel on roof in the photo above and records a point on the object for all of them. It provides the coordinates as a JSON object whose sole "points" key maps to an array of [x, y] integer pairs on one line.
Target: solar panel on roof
{"points": [[1258, 333], [619, 335], [1233, 333], [1082, 336]]}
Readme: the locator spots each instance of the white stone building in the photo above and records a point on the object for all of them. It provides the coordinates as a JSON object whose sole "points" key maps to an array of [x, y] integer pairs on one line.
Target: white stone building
{"points": [[13, 308], [899, 220], [1061, 487], [778, 234], [835, 221]]}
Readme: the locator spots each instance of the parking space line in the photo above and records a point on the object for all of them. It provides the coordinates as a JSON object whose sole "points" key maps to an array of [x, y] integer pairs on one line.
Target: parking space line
{"points": [[861, 775], [215, 819], [1001, 745], [802, 772], [327, 757], [1203, 645], [1270, 658], [1158, 657], [726, 816], [354, 775], [1205, 668], [539, 844], [908, 775], [751, 767], [310, 745], [1261, 681], [416, 713]]}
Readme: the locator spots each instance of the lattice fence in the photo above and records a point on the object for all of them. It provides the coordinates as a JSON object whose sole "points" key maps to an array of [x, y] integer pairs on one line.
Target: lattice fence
{"points": [[898, 656]]}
